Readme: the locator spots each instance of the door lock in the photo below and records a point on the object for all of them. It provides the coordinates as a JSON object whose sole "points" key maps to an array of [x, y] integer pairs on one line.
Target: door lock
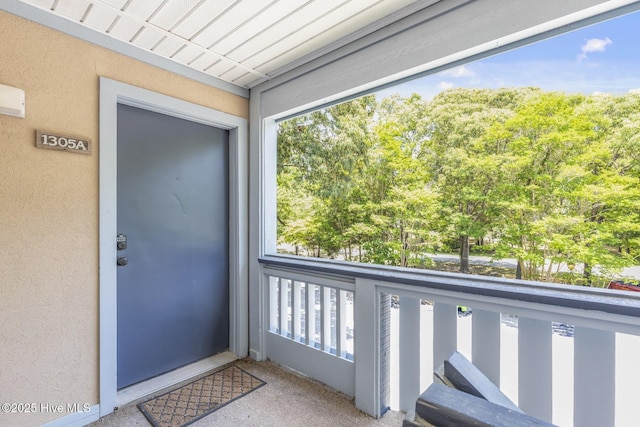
{"points": [[121, 242], [122, 261]]}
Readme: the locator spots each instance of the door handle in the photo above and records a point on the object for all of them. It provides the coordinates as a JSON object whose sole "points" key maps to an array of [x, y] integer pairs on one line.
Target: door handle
{"points": [[122, 261]]}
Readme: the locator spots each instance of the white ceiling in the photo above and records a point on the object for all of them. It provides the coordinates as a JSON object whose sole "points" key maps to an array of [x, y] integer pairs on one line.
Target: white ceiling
{"points": [[244, 42]]}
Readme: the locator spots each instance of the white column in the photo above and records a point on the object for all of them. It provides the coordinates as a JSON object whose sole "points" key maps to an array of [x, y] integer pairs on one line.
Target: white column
{"points": [[485, 343], [535, 367], [594, 377]]}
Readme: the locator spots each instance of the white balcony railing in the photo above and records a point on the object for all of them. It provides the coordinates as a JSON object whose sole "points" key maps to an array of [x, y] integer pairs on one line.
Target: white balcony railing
{"points": [[562, 353], [311, 325], [319, 316]]}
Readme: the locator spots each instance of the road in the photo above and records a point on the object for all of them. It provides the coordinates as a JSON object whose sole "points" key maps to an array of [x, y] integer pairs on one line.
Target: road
{"points": [[629, 272]]}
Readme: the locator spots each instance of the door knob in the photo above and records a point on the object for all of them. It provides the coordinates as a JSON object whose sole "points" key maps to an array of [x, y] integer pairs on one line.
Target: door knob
{"points": [[122, 261]]}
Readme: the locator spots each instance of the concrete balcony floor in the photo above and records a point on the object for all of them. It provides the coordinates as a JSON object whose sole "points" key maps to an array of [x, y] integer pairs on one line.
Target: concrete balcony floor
{"points": [[288, 399]]}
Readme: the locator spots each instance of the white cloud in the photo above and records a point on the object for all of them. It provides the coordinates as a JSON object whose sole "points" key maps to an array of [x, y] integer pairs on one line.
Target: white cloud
{"points": [[458, 72], [593, 45], [635, 91], [445, 85]]}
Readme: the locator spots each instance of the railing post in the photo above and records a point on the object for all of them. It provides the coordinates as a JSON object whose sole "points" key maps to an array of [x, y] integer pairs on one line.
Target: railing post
{"points": [[409, 352], [367, 347], [535, 368], [445, 332], [485, 343], [594, 377]]}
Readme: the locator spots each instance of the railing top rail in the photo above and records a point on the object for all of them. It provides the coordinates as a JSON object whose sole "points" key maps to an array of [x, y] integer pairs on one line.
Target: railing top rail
{"points": [[584, 298], [311, 277]]}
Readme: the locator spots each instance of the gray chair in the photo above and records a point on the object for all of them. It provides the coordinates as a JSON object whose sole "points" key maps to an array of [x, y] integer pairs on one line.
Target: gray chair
{"points": [[462, 395]]}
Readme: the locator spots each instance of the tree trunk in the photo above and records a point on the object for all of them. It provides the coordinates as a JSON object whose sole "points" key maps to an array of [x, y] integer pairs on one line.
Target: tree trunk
{"points": [[464, 254], [519, 270], [587, 274], [549, 272], [403, 246]]}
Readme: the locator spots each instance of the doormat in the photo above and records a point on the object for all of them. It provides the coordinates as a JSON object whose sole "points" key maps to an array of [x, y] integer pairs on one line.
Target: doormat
{"points": [[200, 398]]}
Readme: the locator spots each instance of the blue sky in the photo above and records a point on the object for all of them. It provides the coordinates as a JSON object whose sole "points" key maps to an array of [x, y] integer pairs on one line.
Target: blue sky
{"points": [[604, 57]]}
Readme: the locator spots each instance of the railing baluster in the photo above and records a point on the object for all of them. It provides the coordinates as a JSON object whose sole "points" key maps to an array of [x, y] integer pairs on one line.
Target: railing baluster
{"points": [[409, 352], [349, 325], [426, 345], [274, 288], [535, 394], [304, 308], [594, 377], [445, 332], [310, 315], [284, 307], [341, 323], [295, 311], [485, 343], [319, 317], [326, 318]]}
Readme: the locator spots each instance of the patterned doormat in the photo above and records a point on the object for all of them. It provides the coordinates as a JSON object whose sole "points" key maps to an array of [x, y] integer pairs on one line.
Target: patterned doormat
{"points": [[198, 399]]}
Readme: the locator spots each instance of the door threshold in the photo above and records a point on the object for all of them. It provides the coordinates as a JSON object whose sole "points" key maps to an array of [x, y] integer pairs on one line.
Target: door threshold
{"points": [[161, 382]]}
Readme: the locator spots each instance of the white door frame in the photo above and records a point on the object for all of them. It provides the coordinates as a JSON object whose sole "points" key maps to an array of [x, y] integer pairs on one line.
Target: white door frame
{"points": [[113, 93]]}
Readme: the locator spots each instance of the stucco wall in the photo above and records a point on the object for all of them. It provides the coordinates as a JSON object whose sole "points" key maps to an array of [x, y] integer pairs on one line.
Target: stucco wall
{"points": [[49, 211]]}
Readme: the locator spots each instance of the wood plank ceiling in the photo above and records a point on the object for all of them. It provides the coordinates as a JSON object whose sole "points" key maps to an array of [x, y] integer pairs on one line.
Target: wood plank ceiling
{"points": [[244, 42]]}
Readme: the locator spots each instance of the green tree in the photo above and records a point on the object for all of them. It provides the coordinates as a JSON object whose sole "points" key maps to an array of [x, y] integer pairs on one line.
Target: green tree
{"points": [[323, 152], [551, 178], [404, 206], [466, 156], [563, 207]]}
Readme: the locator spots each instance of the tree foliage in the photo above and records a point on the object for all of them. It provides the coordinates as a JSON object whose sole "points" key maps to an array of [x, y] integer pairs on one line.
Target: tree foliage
{"points": [[548, 178]]}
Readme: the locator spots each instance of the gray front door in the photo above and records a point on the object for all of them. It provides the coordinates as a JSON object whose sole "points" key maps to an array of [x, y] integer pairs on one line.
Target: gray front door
{"points": [[173, 275]]}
